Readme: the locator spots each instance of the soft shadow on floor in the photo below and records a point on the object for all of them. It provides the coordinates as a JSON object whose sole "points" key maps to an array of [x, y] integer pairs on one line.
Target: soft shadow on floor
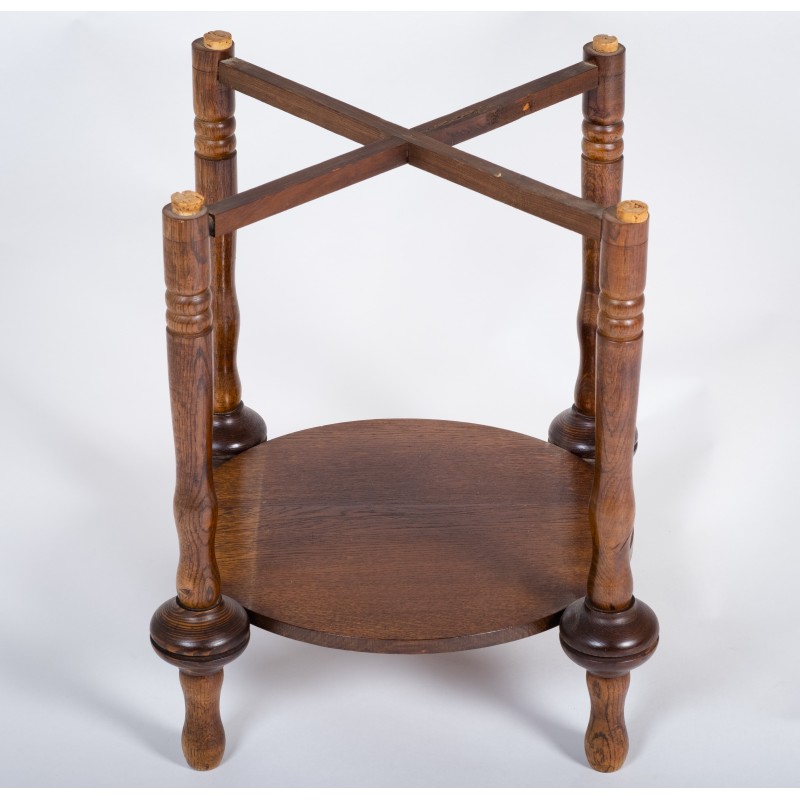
{"points": [[480, 677]]}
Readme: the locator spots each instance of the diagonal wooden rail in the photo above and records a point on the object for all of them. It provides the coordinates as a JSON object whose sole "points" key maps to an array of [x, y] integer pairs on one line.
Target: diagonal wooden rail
{"points": [[428, 146]]}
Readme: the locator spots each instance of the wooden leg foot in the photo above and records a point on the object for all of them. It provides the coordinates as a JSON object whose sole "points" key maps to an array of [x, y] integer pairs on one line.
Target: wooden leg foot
{"points": [[608, 645], [606, 740], [200, 643], [203, 736]]}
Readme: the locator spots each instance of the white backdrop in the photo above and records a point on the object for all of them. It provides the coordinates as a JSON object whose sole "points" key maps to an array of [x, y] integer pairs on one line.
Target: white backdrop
{"points": [[402, 296]]}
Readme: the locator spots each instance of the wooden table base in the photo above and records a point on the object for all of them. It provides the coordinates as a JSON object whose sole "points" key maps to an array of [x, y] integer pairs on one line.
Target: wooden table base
{"points": [[403, 536]]}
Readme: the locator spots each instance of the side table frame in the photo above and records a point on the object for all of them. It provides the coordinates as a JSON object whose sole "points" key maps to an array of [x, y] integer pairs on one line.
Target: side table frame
{"points": [[608, 632]]}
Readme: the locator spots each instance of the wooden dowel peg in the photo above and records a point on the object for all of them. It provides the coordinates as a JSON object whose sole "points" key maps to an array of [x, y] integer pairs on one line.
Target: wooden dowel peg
{"points": [[217, 40], [632, 211], [187, 204], [603, 43]]}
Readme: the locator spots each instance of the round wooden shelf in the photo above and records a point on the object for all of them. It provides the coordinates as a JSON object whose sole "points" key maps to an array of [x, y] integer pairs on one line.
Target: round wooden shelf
{"points": [[404, 536]]}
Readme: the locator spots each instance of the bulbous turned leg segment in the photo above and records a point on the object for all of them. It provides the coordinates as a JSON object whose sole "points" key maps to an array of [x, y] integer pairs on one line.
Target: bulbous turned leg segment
{"points": [[236, 431], [200, 643], [606, 741], [608, 644], [203, 737], [573, 431]]}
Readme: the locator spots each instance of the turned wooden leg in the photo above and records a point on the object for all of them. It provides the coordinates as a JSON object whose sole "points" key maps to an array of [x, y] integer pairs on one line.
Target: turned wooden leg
{"points": [[610, 632], [199, 630], [236, 427], [203, 736], [606, 741], [601, 182]]}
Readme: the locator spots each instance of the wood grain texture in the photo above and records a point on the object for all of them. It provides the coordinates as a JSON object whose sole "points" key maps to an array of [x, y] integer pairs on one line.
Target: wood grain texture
{"points": [[619, 353], [187, 275], [385, 153], [573, 431], [236, 431], [199, 642], [203, 737], [424, 151], [601, 183], [302, 101], [609, 642], [606, 741], [307, 184], [363, 127], [404, 535], [216, 179], [610, 632], [506, 186], [494, 112], [199, 630]]}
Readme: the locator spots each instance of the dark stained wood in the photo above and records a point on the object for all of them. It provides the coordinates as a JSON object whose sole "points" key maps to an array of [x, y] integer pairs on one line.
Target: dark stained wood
{"points": [[492, 180], [363, 127], [215, 178], [425, 152], [606, 741], [609, 643], [519, 191], [611, 632], [404, 535], [235, 427], [199, 630], [203, 737], [601, 183], [199, 642], [307, 184], [187, 272], [573, 431], [494, 112], [236, 431], [303, 102], [619, 354]]}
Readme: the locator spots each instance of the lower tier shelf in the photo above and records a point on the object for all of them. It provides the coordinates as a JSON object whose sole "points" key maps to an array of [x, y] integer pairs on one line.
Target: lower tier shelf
{"points": [[404, 536]]}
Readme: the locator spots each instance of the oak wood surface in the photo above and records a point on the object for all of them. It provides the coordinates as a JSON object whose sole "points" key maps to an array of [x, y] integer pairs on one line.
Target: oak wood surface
{"points": [[198, 630], [494, 112], [611, 632], [361, 126], [337, 173], [620, 323], [606, 740], [187, 273], [404, 535], [307, 184], [216, 179], [601, 183], [424, 151], [203, 737]]}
